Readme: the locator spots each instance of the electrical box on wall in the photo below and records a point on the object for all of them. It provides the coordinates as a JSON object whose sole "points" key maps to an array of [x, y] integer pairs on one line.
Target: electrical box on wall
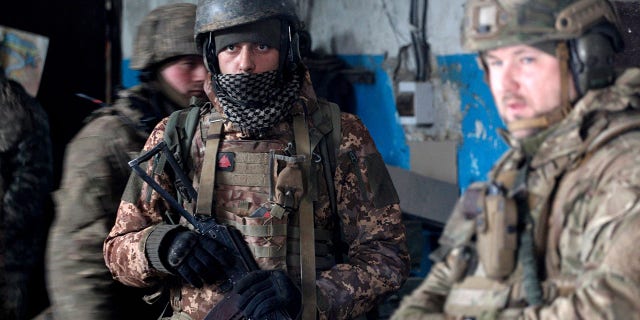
{"points": [[415, 103]]}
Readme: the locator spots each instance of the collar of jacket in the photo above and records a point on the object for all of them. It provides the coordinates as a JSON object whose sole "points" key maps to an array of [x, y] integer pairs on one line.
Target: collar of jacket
{"points": [[589, 117]]}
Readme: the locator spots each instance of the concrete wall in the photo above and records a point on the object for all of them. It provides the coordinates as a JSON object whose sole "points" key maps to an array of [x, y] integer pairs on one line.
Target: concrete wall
{"points": [[376, 35], [333, 32]]}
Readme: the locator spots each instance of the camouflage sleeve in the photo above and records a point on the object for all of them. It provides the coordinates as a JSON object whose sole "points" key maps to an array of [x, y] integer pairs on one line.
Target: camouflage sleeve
{"points": [[371, 219], [94, 174], [599, 238], [426, 301], [451, 261], [139, 212]]}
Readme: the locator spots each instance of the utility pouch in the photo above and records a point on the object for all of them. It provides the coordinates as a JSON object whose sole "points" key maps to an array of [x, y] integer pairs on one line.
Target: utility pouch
{"points": [[497, 236], [289, 187], [477, 296], [265, 235]]}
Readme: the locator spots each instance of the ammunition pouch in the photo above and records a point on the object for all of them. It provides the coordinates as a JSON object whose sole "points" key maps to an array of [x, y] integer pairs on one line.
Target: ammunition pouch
{"points": [[289, 187], [486, 211], [497, 234]]}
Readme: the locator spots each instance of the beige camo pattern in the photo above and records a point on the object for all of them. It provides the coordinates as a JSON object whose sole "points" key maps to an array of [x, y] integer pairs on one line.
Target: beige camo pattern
{"points": [[589, 240], [377, 249], [95, 173]]}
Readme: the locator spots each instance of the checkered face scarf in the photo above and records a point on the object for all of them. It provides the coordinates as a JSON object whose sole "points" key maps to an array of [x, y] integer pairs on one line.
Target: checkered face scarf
{"points": [[255, 101]]}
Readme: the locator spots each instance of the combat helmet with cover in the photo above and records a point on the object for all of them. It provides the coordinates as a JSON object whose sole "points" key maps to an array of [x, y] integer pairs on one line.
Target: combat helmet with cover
{"points": [[215, 15], [165, 33], [582, 34]]}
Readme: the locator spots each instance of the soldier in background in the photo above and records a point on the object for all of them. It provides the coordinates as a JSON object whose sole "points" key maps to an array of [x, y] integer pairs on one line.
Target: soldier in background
{"points": [[25, 182], [96, 169], [292, 173], [554, 232]]}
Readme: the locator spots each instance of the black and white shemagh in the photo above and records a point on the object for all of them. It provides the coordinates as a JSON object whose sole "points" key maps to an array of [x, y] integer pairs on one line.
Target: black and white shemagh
{"points": [[256, 101]]}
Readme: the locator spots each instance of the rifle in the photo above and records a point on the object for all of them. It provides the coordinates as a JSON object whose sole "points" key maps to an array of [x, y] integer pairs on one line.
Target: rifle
{"points": [[230, 237]]}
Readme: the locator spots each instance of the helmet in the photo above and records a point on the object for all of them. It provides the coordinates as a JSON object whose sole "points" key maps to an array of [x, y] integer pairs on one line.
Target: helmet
{"points": [[583, 32], [166, 32], [215, 15], [490, 24]]}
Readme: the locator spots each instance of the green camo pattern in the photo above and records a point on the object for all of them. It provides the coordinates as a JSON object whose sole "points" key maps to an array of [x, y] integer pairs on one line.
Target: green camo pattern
{"points": [[489, 24]]}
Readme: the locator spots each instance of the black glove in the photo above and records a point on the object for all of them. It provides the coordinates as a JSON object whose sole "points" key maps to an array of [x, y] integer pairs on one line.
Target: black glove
{"points": [[262, 292], [196, 258]]}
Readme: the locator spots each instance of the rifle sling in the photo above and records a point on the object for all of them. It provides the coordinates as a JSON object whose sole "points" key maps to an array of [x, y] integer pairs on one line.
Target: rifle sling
{"points": [[208, 173], [307, 237]]}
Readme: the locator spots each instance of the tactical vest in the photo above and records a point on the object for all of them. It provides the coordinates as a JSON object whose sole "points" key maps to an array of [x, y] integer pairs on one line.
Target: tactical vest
{"points": [[259, 184], [510, 232]]}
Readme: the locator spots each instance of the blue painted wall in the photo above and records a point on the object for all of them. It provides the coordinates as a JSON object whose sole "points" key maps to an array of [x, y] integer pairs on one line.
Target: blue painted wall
{"points": [[375, 106], [129, 77], [481, 146]]}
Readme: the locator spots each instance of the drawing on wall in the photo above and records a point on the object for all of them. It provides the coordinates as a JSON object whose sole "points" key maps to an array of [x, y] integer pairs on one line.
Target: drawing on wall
{"points": [[22, 55]]}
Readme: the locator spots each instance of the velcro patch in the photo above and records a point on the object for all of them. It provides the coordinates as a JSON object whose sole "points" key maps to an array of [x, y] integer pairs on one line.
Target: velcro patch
{"points": [[226, 161]]}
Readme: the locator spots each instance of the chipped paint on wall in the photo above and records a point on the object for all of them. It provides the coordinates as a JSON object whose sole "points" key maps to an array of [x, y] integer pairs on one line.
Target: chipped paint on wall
{"points": [[447, 115], [376, 107], [481, 146]]}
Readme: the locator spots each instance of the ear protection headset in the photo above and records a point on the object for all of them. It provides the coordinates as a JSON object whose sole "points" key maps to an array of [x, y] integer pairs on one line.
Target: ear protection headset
{"points": [[592, 55]]}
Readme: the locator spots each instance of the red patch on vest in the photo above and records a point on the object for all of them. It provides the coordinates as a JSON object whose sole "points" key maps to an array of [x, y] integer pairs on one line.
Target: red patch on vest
{"points": [[226, 161]]}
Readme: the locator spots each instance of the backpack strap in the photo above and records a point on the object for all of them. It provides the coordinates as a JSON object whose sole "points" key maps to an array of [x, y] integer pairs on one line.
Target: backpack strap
{"points": [[306, 220], [325, 138], [208, 173], [328, 148], [178, 135], [623, 124]]}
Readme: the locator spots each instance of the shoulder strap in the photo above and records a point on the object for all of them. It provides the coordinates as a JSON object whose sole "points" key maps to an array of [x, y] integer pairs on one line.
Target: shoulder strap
{"points": [[327, 120], [306, 221], [179, 132], [623, 125], [328, 147], [178, 135], [206, 191]]}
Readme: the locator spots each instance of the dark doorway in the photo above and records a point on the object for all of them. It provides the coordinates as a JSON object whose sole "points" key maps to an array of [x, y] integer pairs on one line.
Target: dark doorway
{"points": [[83, 57]]}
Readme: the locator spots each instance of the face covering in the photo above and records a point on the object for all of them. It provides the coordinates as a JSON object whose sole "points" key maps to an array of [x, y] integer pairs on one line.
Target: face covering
{"points": [[256, 101]]}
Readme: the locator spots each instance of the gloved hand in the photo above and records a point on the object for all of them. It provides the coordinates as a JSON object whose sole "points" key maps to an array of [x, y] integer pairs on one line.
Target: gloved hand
{"points": [[262, 292], [196, 258]]}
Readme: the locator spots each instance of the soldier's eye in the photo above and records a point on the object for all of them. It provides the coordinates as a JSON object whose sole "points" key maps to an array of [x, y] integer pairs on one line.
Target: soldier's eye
{"points": [[494, 63], [527, 60]]}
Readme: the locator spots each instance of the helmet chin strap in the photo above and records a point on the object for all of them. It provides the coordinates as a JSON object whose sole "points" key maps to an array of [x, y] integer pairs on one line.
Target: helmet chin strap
{"points": [[557, 114], [540, 122]]}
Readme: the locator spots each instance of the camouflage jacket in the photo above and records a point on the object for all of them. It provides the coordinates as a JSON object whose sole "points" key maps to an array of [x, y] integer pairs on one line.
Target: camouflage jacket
{"points": [[25, 181], [95, 172], [372, 227], [583, 184]]}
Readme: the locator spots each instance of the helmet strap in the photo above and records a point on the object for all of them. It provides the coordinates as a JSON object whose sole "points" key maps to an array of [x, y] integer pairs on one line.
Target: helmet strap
{"points": [[562, 53], [540, 122], [209, 55]]}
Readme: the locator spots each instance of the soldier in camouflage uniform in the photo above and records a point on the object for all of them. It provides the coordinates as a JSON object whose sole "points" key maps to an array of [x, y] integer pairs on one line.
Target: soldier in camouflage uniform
{"points": [[25, 182], [554, 233], [261, 162], [96, 169]]}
